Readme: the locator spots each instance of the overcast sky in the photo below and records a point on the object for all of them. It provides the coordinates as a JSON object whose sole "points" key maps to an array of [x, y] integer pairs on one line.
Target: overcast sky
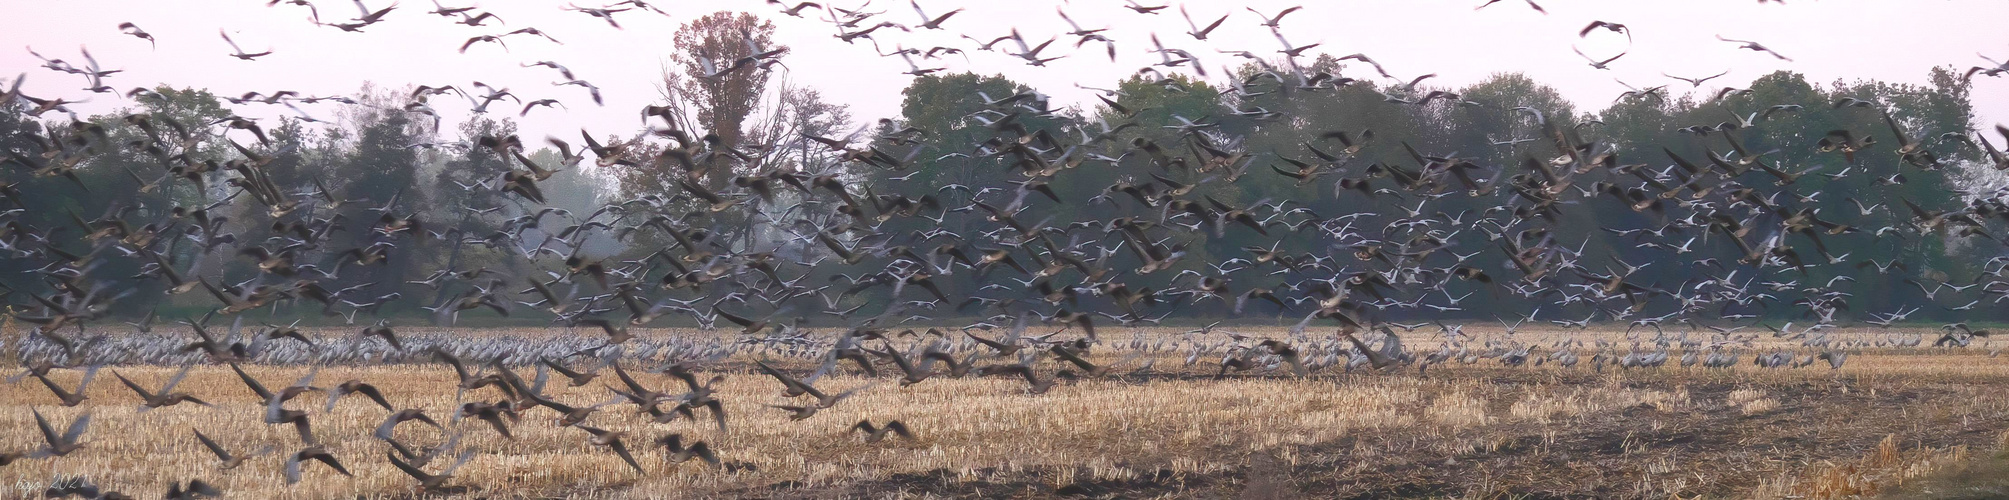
{"points": [[1826, 39]]}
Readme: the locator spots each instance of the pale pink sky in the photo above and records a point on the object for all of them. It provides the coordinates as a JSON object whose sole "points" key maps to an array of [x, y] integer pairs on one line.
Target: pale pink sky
{"points": [[1828, 39]]}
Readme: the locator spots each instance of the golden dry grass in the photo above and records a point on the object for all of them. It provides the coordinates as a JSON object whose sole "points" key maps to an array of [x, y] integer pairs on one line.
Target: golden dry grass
{"points": [[1476, 430]]}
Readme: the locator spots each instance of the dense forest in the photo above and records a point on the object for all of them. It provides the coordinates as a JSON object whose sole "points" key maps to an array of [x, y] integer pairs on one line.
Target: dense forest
{"points": [[1297, 159]]}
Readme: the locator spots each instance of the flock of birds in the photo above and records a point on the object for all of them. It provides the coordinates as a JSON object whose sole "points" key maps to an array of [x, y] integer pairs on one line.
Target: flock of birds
{"points": [[896, 246]]}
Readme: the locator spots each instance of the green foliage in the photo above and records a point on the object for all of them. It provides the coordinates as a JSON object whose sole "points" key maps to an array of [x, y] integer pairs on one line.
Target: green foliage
{"points": [[944, 107], [962, 133], [1488, 123]]}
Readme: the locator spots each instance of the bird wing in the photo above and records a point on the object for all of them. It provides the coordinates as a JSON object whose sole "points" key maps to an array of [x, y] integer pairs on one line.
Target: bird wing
{"points": [[48, 433], [221, 453], [621, 449], [329, 458], [371, 392], [410, 470], [135, 387], [176, 379]]}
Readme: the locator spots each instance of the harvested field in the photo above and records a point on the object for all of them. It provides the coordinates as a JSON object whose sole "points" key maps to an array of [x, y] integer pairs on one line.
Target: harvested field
{"points": [[1152, 426]]}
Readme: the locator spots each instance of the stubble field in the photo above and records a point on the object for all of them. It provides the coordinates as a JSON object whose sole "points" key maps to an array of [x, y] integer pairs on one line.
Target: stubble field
{"points": [[1916, 421]]}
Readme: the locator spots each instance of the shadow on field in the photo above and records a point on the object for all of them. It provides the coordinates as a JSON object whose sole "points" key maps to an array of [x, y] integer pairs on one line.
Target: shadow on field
{"points": [[1714, 451], [1987, 478]]}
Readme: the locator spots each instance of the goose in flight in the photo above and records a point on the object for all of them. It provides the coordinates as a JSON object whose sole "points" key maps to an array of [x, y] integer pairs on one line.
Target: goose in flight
{"points": [[386, 431], [1198, 32], [1755, 46], [540, 102], [444, 11], [368, 16], [239, 51], [1362, 58], [1076, 28], [1696, 82], [1293, 51], [66, 397], [679, 453], [875, 433], [1614, 27], [603, 13], [797, 387], [1271, 21], [1030, 53], [165, 396], [430, 482], [1143, 9], [497, 39], [60, 445], [192, 490], [477, 20], [931, 23], [1531, 4], [1594, 63], [613, 440], [314, 452], [355, 386], [1995, 156], [1995, 68], [795, 11], [227, 460], [134, 30]]}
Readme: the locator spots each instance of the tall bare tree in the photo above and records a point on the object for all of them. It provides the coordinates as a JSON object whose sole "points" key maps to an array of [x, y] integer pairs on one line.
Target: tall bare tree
{"points": [[723, 90]]}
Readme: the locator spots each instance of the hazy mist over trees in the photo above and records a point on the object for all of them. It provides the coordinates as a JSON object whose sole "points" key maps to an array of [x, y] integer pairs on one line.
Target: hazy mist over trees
{"points": [[446, 177]]}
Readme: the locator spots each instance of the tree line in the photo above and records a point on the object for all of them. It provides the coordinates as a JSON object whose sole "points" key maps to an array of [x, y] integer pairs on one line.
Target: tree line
{"points": [[380, 161]]}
